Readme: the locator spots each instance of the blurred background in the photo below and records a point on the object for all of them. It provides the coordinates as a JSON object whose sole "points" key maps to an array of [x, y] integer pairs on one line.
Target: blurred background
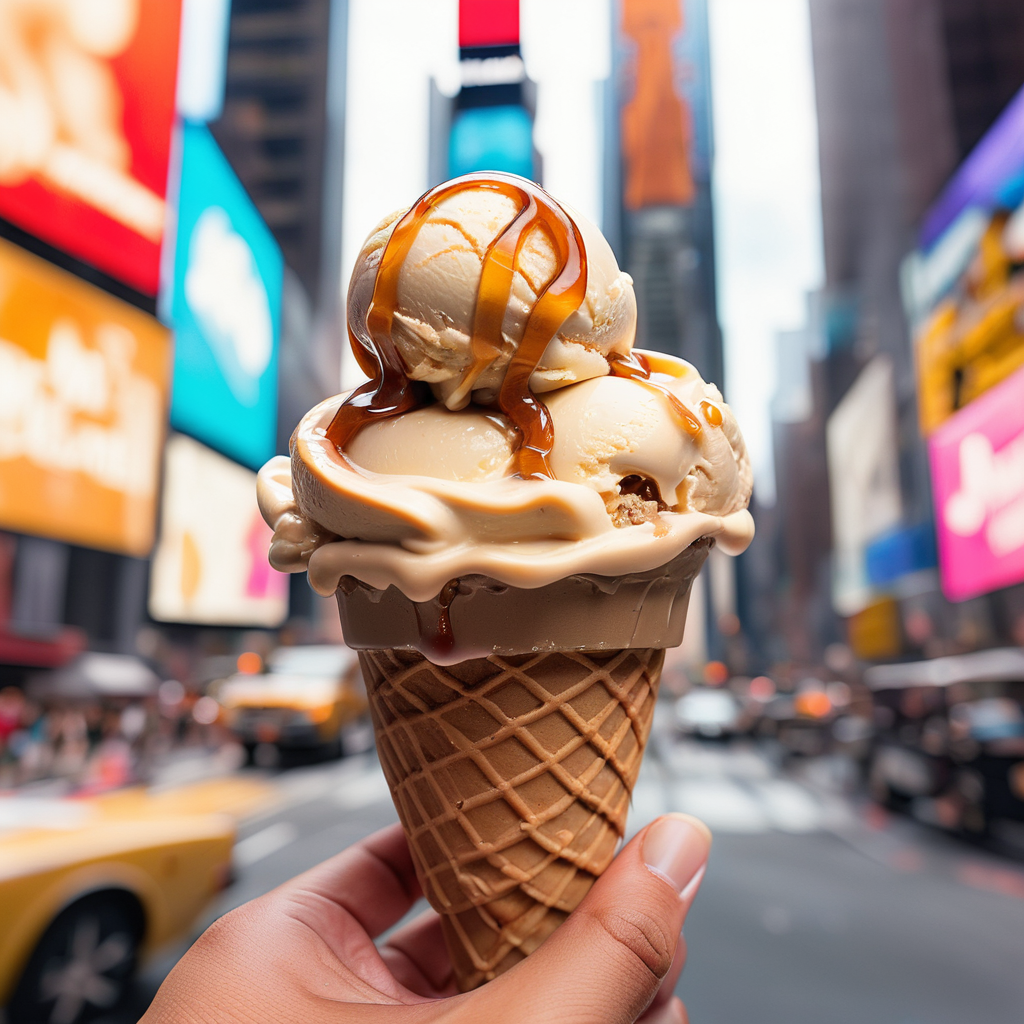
{"points": [[821, 203]]}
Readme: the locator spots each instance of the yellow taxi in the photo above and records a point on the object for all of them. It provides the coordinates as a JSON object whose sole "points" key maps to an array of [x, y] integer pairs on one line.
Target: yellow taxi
{"points": [[91, 887], [303, 699]]}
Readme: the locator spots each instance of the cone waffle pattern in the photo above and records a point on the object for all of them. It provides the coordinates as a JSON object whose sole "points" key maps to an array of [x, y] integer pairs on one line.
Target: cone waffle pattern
{"points": [[512, 777]]}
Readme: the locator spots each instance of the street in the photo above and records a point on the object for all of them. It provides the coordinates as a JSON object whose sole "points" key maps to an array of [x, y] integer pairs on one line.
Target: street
{"points": [[816, 906]]}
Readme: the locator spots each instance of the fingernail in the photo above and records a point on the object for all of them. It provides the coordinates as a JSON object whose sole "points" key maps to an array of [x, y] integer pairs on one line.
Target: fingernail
{"points": [[676, 849]]}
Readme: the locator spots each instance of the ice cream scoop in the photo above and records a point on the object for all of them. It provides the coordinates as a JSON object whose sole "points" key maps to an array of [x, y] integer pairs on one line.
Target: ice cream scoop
{"points": [[436, 299]]}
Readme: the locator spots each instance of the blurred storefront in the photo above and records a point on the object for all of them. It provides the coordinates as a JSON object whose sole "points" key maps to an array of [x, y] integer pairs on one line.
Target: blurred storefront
{"points": [[180, 235]]}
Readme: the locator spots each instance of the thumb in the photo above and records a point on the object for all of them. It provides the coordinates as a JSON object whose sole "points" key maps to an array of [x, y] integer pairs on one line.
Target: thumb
{"points": [[604, 965]]}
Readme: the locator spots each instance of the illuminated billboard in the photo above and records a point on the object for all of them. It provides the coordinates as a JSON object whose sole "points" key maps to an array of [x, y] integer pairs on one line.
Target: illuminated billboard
{"points": [[977, 460], [864, 482], [496, 138], [964, 287], [657, 122], [210, 565], [86, 111], [225, 308], [83, 397], [488, 23]]}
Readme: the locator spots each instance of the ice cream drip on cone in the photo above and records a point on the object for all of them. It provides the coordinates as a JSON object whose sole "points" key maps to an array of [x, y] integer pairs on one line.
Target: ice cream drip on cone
{"points": [[511, 513]]}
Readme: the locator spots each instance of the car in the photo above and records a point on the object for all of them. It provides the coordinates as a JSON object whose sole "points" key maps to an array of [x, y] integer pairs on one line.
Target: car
{"points": [[949, 740], [304, 700], [91, 887], [710, 713], [801, 722]]}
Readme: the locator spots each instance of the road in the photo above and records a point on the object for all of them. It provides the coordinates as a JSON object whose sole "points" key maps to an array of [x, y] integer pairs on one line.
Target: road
{"points": [[816, 907]]}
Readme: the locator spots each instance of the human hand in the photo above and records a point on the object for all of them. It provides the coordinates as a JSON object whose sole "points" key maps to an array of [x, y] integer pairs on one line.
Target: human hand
{"points": [[304, 953]]}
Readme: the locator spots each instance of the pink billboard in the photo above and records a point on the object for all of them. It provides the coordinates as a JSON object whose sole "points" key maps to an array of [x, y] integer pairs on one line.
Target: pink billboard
{"points": [[977, 459]]}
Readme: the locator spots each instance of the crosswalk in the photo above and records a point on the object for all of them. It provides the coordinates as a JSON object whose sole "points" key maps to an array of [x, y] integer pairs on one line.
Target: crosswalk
{"points": [[733, 788]]}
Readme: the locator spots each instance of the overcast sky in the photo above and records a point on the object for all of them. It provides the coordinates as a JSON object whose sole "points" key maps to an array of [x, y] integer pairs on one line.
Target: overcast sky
{"points": [[767, 195]]}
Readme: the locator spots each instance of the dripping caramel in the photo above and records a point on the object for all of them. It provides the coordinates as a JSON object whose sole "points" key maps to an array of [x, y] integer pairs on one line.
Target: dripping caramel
{"points": [[389, 392], [711, 413], [635, 367]]}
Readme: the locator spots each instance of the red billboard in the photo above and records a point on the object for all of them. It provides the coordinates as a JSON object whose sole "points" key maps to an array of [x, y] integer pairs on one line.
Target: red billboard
{"points": [[86, 111], [488, 23]]}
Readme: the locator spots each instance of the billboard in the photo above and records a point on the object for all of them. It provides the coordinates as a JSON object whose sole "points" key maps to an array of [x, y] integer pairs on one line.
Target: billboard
{"points": [[657, 122], [964, 287], [83, 396], [863, 477], [488, 23], [977, 461], [86, 110], [225, 307], [492, 117], [210, 565]]}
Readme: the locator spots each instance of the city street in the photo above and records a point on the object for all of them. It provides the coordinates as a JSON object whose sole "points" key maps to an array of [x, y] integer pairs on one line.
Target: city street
{"points": [[816, 907]]}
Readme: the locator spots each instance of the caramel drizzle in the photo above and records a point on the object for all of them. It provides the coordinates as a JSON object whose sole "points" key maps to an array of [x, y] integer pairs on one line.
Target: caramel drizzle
{"points": [[389, 392], [635, 367], [711, 413]]}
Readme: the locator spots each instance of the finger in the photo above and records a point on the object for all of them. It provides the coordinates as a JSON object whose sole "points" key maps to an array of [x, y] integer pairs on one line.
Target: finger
{"points": [[373, 881], [673, 1012], [418, 957], [668, 984], [608, 959]]}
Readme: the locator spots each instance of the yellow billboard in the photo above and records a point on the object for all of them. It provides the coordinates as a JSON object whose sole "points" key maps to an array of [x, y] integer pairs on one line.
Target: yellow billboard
{"points": [[84, 382]]}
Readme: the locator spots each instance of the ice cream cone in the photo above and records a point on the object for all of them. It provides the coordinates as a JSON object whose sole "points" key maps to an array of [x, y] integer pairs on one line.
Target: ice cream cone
{"points": [[511, 568], [512, 776], [512, 772]]}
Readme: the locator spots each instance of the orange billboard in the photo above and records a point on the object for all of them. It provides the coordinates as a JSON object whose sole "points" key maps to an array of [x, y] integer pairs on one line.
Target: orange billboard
{"points": [[656, 122], [84, 382]]}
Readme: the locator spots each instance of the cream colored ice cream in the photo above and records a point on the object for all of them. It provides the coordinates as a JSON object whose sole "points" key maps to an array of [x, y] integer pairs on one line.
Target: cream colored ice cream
{"points": [[437, 290], [640, 467]]}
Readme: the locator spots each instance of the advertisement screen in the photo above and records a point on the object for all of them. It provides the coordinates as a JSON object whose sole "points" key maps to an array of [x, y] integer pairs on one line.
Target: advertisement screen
{"points": [[657, 121], [864, 483], [496, 138], [977, 460], [488, 23], [210, 564], [225, 309], [964, 288], [86, 110], [83, 397]]}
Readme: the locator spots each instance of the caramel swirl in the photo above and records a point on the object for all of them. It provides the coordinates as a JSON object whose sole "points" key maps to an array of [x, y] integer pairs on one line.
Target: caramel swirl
{"points": [[389, 392]]}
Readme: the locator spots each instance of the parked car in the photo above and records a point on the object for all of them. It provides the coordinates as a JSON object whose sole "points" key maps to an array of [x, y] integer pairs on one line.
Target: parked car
{"points": [[710, 713], [949, 744], [91, 887], [304, 700]]}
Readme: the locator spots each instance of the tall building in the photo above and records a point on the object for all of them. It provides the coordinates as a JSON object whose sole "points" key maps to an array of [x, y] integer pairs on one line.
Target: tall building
{"points": [[274, 125]]}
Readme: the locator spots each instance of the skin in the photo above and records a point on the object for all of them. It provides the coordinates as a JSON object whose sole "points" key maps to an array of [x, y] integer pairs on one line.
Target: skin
{"points": [[305, 952]]}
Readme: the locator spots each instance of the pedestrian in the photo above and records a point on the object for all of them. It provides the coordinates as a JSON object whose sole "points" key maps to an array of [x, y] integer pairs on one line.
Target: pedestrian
{"points": [[305, 952]]}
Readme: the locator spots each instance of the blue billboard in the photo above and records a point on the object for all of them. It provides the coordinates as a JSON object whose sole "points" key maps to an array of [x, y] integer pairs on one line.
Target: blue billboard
{"points": [[498, 138], [225, 308]]}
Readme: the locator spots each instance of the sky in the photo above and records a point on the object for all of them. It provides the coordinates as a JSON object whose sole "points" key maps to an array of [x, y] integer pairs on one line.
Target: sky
{"points": [[767, 199]]}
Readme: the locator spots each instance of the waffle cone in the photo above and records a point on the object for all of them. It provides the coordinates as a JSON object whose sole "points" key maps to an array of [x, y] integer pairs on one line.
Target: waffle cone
{"points": [[512, 776]]}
